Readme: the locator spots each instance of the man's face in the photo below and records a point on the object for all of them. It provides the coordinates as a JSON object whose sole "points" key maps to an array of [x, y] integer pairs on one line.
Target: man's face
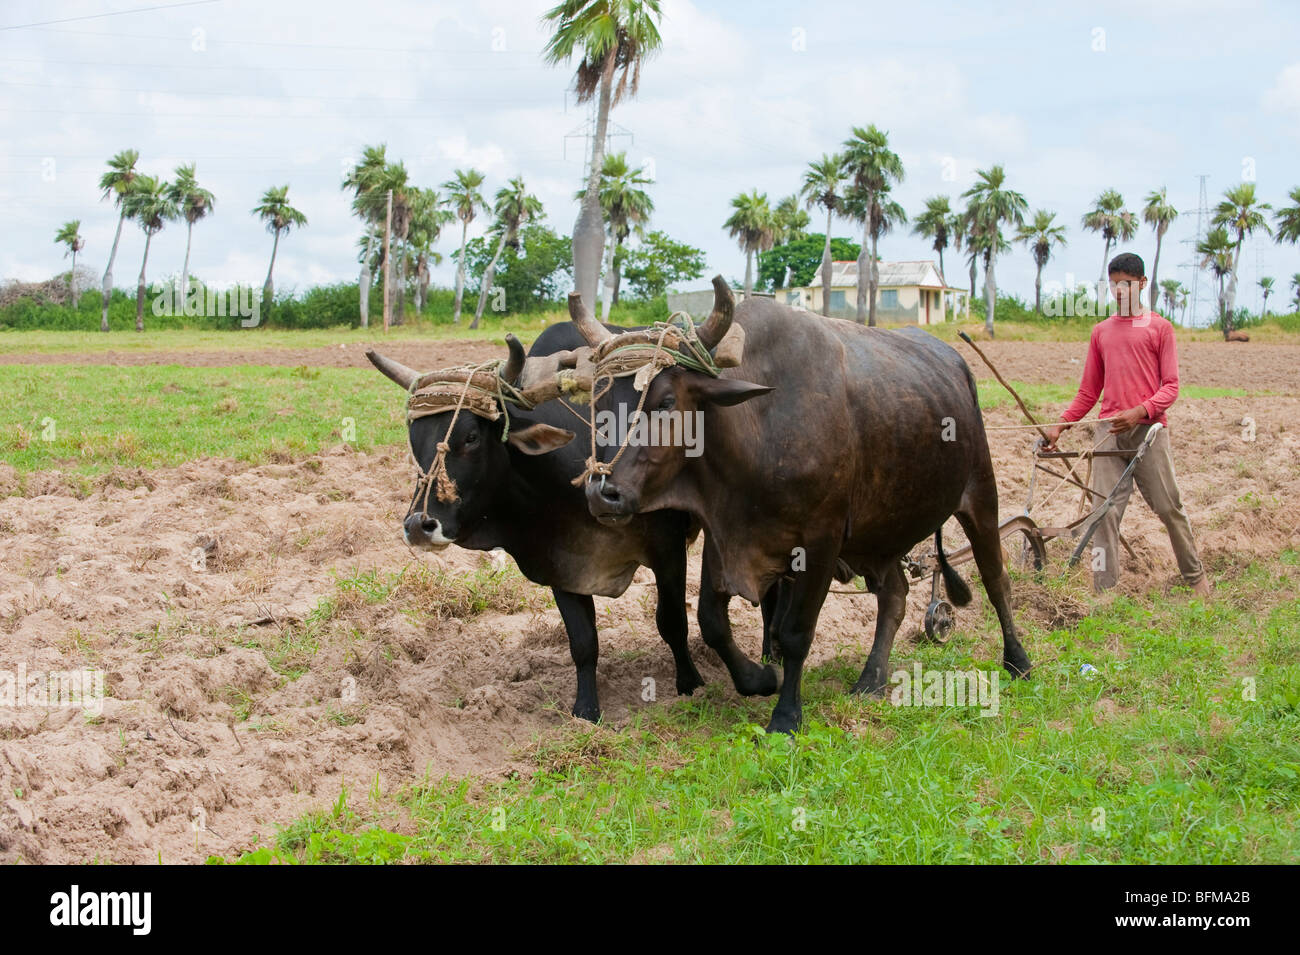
{"points": [[1127, 290]]}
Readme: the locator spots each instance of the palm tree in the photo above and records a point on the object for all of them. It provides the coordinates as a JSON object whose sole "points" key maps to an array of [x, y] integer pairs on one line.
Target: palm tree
{"points": [[1039, 237], [362, 179], [1288, 219], [878, 213], [935, 224], [465, 199], [1173, 290], [822, 181], [149, 202], [116, 183], [514, 206], [611, 37], [194, 202], [989, 205], [1240, 213], [428, 216], [625, 206], [1158, 214], [1113, 221], [279, 216], [1216, 254], [753, 225], [70, 235], [1266, 286], [1295, 289], [961, 228], [873, 167]]}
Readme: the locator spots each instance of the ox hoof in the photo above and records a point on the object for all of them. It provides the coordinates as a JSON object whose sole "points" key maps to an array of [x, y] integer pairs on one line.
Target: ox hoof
{"points": [[782, 722], [587, 711], [1018, 667], [872, 689], [688, 683], [761, 681]]}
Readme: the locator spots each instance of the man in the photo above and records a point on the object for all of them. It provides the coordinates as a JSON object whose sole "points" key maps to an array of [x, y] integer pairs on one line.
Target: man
{"points": [[1133, 366]]}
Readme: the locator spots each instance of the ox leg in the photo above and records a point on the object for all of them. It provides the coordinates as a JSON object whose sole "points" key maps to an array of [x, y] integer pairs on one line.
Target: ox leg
{"points": [[750, 678], [579, 614], [979, 519], [891, 606], [796, 622], [670, 615], [771, 600]]}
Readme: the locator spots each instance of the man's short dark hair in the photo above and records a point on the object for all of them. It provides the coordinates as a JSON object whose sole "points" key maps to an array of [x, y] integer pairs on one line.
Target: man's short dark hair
{"points": [[1129, 264]]}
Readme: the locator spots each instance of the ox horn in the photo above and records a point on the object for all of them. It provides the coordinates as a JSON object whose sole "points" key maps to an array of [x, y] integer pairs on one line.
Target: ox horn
{"points": [[592, 330], [514, 365], [393, 369], [717, 324]]}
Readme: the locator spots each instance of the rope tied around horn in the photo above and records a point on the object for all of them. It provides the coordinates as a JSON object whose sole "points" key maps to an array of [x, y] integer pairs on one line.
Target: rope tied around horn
{"points": [[644, 354], [482, 391]]}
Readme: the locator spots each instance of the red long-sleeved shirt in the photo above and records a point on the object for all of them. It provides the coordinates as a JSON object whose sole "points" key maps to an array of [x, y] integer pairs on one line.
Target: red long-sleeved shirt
{"points": [[1131, 362]]}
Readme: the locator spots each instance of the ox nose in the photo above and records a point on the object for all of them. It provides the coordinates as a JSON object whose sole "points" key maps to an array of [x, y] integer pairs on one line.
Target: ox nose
{"points": [[418, 529], [606, 501]]}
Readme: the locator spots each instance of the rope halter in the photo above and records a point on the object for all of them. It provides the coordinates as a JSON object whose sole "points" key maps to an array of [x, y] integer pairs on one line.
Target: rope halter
{"points": [[642, 354], [478, 389]]}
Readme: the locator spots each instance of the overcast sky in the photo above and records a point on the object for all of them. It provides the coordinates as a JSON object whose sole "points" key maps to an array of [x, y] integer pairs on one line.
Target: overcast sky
{"points": [[1130, 95]]}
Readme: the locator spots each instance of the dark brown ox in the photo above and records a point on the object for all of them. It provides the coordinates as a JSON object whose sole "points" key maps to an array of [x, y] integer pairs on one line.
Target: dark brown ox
{"points": [[859, 443]]}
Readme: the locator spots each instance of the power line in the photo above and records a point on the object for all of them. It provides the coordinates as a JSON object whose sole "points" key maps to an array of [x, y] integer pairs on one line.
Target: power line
{"points": [[238, 93], [117, 13], [309, 46]]}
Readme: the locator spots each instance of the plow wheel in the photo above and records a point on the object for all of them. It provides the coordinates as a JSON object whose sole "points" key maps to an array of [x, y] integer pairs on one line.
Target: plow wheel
{"points": [[938, 621]]}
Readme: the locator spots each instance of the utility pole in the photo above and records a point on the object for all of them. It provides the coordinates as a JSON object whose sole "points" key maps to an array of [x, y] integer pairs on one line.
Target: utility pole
{"points": [[388, 261]]}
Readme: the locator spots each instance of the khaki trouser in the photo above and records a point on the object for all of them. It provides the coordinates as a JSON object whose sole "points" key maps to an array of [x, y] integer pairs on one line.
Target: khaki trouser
{"points": [[1154, 476]]}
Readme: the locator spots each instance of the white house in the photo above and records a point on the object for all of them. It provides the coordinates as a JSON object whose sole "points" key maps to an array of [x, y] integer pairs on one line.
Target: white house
{"points": [[909, 292]]}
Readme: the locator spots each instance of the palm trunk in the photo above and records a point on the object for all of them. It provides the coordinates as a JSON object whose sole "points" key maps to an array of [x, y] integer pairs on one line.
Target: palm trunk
{"points": [[749, 272], [72, 281], [399, 314], [618, 270], [269, 288], [875, 281], [1265, 315], [1155, 269], [1038, 290], [827, 268], [990, 294], [607, 287], [972, 280], [185, 269], [942, 278], [108, 275], [488, 276], [363, 279], [1231, 294], [460, 273], [864, 280], [589, 229], [139, 286], [1105, 260]]}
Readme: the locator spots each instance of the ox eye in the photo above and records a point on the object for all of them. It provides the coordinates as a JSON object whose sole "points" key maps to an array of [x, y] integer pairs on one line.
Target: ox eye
{"points": [[668, 401], [471, 439]]}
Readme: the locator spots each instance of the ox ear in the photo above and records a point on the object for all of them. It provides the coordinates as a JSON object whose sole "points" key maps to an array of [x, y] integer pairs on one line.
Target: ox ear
{"points": [[725, 391], [539, 438]]}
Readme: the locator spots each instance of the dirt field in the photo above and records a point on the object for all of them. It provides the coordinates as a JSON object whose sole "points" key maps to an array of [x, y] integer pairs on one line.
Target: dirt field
{"points": [[200, 722]]}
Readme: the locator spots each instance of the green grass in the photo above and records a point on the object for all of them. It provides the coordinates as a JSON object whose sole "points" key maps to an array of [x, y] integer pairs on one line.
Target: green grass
{"points": [[1162, 758], [96, 417]]}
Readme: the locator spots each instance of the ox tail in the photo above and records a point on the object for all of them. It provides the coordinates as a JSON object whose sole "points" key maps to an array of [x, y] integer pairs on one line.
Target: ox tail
{"points": [[958, 591]]}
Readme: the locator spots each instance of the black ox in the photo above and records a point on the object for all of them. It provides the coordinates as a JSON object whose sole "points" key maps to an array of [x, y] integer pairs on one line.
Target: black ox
{"points": [[518, 495]]}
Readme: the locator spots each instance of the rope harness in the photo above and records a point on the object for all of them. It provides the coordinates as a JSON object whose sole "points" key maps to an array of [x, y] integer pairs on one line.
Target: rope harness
{"points": [[478, 389], [642, 354]]}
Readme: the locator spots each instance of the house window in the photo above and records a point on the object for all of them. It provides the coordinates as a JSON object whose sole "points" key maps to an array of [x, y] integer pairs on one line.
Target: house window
{"points": [[838, 299], [888, 298]]}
